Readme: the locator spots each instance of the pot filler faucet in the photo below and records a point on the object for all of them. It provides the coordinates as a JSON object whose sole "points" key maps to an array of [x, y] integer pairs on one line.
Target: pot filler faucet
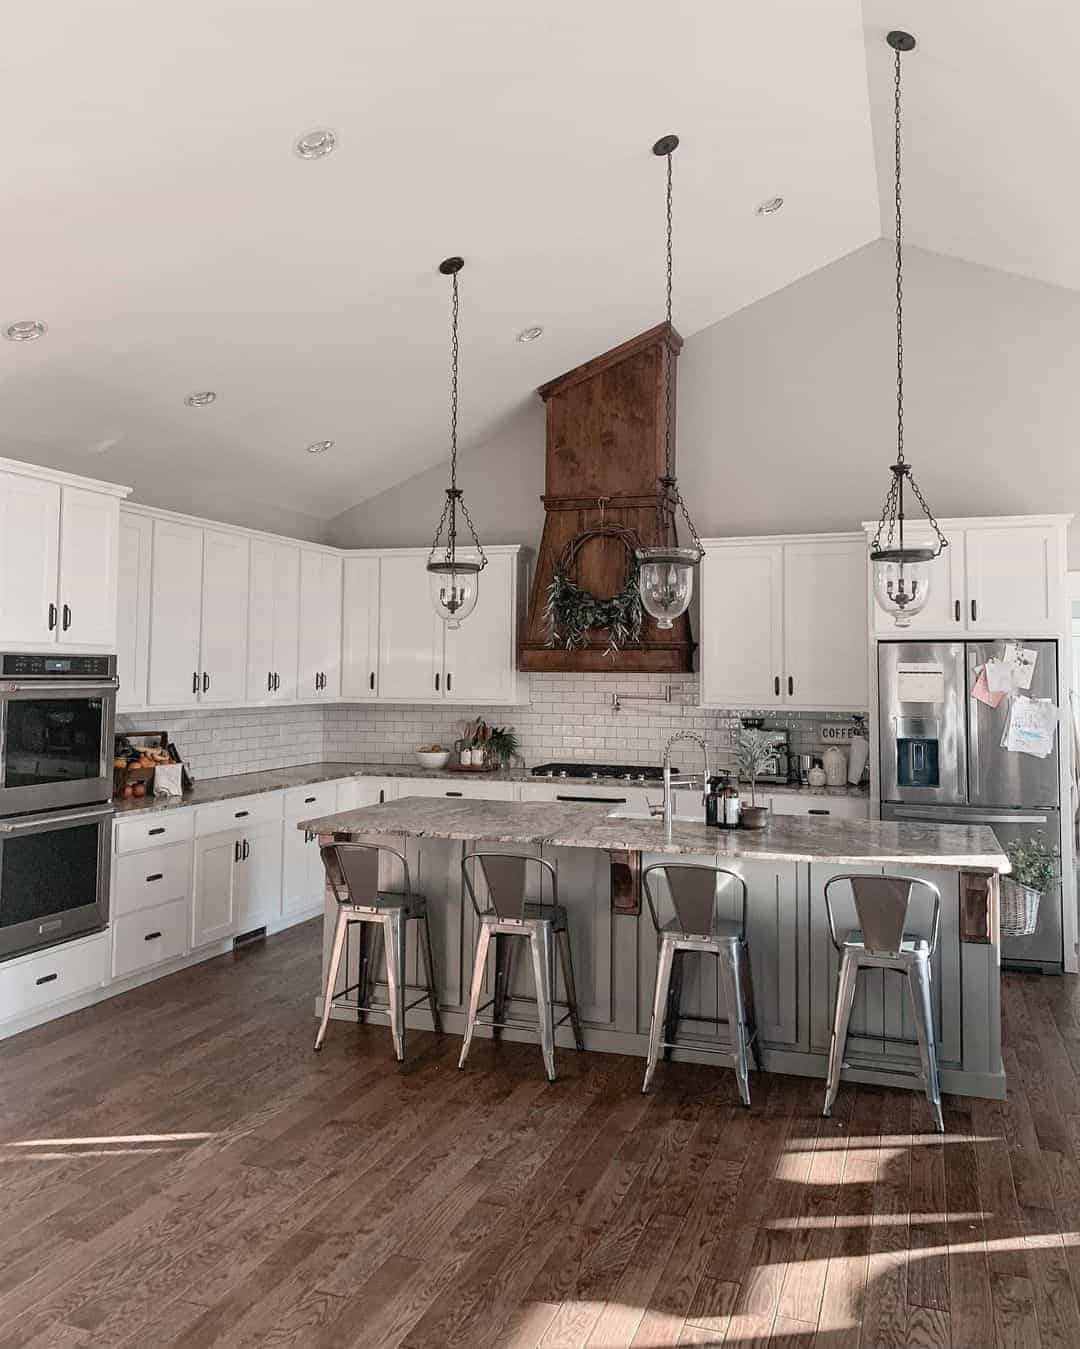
{"points": [[680, 782]]}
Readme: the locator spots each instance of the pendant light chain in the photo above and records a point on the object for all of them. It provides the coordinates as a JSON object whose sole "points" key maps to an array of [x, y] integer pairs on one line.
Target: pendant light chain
{"points": [[454, 497], [892, 511], [671, 496]]}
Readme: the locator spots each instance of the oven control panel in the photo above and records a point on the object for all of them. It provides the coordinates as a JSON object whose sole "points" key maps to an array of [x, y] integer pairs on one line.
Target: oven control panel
{"points": [[17, 665]]}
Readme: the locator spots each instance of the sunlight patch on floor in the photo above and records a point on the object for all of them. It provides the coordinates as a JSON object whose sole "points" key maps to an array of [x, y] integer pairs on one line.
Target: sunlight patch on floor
{"points": [[870, 1220], [106, 1139]]}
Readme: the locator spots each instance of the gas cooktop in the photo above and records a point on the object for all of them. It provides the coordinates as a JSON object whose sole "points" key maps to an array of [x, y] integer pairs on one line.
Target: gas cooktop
{"points": [[593, 772]]}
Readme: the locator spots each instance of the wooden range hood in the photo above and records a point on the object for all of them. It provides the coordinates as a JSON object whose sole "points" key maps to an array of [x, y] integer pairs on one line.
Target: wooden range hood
{"points": [[605, 455]]}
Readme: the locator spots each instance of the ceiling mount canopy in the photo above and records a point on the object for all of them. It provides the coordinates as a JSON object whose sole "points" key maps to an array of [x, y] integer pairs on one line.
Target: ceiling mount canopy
{"points": [[666, 577], [454, 580], [901, 568]]}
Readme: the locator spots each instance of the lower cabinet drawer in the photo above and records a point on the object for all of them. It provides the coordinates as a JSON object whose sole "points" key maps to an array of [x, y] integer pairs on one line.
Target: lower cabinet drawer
{"points": [[60, 972], [836, 807], [307, 802], [240, 813], [146, 879], [149, 937]]}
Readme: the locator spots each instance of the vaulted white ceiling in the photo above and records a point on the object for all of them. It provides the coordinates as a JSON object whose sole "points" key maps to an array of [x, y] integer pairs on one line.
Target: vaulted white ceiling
{"points": [[154, 215]]}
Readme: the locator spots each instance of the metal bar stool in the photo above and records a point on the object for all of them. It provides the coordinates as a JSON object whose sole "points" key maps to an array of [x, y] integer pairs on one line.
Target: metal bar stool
{"points": [[882, 905], [695, 895], [510, 915], [353, 872]]}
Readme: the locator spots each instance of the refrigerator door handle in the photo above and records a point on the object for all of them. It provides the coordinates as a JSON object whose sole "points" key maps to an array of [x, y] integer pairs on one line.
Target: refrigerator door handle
{"points": [[942, 815]]}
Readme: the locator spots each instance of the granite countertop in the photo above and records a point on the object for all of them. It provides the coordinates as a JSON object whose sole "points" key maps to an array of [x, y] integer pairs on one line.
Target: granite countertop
{"points": [[786, 838], [228, 788]]}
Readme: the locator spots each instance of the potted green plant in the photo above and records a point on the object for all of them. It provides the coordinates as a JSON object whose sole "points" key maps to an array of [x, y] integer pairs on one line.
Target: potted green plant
{"points": [[1034, 870], [503, 745], [754, 752]]}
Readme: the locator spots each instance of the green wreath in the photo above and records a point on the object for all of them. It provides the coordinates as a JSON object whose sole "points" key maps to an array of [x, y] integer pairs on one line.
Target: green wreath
{"points": [[573, 612]]}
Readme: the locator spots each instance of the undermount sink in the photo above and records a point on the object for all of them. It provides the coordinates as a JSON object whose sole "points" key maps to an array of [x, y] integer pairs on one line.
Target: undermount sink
{"points": [[696, 818]]}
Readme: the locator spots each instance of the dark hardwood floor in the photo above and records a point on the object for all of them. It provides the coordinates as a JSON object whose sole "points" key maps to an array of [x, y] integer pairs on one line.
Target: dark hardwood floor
{"points": [[179, 1168]]}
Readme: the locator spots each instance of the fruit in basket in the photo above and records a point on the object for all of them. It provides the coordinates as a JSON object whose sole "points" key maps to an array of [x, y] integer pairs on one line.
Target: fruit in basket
{"points": [[430, 749]]}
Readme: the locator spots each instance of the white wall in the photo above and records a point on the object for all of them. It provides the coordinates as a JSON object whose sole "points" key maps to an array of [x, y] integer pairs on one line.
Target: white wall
{"points": [[787, 419]]}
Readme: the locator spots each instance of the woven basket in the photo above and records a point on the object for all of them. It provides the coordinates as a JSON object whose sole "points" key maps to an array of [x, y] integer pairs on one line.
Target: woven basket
{"points": [[1019, 908]]}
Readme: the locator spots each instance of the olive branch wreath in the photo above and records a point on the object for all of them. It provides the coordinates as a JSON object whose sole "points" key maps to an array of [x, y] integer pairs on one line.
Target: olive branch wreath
{"points": [[572, 612]]}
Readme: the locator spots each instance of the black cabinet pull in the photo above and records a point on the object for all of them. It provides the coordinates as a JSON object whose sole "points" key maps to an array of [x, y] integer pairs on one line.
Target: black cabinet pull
{"points": [[269, 682], [152, 936], [382, 796], [449, 677], [159, 830], [46, 979], [246, 851], [156, 876], [819, 812], [776, 685], [205, 682], [52, 617], [790, 685], [236, 851], [957, 611], [604, 800], [371, 681], [436, 683], [277, 682], [310, 800], [195, 682], [974, 611], [453, 793], [241, 814], [67, 617]]}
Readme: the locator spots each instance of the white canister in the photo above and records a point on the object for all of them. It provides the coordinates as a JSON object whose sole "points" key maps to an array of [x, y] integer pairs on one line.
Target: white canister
{"points": [[816, 776], [834, 761], [858, 753]]}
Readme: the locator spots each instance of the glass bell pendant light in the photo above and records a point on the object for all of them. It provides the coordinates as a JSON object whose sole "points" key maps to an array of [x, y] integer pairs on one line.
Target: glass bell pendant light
{"points": [[666, 575], [454, 579], [902, 571]]}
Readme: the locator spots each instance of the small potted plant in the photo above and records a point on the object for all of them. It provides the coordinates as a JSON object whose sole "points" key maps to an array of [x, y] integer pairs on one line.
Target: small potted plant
{"points": [[1034, 870], [756, 749], [503, 745]]}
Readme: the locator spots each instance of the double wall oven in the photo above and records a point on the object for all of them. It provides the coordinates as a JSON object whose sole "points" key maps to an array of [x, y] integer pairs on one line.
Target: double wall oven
{"points": [[56, 749]]}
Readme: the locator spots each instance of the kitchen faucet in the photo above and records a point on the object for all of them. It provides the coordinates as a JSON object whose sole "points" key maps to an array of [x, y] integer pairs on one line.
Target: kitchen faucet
{"points": [[685, 779]]}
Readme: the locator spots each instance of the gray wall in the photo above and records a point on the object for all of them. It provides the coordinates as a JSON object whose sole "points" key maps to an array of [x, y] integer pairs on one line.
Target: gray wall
{"points": [[786, 413]]}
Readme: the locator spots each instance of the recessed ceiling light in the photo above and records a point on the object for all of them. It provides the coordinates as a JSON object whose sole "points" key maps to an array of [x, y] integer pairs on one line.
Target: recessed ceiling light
{"points": [[200, 400], [530, 334], [320, 446], [27, 330], [770, 206], [316, 144]]}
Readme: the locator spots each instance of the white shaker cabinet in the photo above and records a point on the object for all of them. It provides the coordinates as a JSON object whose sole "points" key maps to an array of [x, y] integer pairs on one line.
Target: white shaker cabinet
{"points": [[479, 657], [59, 545], [1014, 578], [213, 914], [410, 632], [89, 541], [825, 623], [257, 883], [29, 555], [783, 622], [320, 625], [360, 628], [175, 614], [223, 629], [273, 621], [133, 609]]}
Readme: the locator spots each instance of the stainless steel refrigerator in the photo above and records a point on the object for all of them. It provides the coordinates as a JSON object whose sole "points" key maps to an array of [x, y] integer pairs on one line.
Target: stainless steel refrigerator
{"points": [[941, 760]]}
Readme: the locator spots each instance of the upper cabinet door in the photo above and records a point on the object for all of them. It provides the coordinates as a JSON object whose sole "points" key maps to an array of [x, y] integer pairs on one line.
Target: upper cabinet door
{"points": [[286, 619], [1014, 579], [89, 543], [175, 614], [410, 634], [273, 621], [360, 628], [825, 633], [742, 625], [29, 538], [133, 609], [320, 625], [479, 656], [945, 609], [223, 645]]}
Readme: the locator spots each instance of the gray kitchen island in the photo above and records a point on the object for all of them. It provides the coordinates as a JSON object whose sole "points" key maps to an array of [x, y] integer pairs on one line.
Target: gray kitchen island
{"points": [[600, 856]]}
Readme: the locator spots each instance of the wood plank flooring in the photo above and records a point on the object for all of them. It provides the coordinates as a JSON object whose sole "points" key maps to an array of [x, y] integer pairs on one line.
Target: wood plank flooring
{"points": [[178, 1168]]}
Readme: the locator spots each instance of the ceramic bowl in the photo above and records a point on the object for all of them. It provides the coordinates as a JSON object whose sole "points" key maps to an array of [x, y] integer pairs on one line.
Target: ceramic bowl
{"points": [[429, 759]]}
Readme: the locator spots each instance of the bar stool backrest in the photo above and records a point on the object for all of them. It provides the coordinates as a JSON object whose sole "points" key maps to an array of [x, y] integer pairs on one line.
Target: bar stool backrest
{"points": [[505, 876], [882, 904], [353, 871], [695, 895]]}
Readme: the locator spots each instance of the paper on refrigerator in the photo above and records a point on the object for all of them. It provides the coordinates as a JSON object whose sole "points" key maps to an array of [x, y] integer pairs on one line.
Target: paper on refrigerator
{"points": [[1030, 726]]}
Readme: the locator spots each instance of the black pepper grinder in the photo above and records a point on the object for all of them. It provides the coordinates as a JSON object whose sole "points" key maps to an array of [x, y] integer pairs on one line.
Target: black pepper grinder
{"points": [[713, 801]]}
